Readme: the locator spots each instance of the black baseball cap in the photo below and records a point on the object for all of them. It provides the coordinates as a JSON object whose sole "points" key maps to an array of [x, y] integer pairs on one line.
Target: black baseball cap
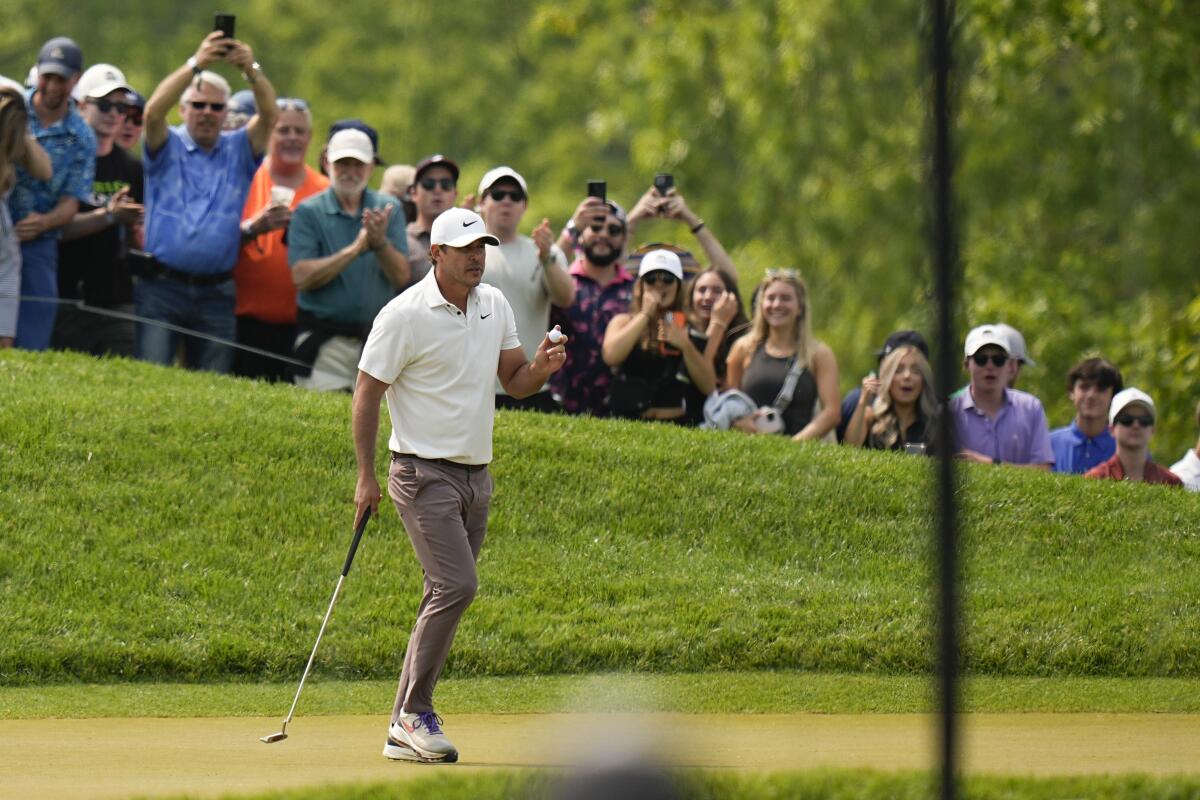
{"points": [[358, 125], [436, 160], [60, 56], [902, 338]]}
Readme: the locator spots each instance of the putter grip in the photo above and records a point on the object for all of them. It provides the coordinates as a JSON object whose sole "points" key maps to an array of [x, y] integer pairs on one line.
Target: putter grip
{"points": [[358, 532]]}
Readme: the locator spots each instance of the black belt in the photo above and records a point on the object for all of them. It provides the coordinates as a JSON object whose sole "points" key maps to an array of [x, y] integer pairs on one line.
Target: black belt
{"points": [[442, 461], [189, 278]]}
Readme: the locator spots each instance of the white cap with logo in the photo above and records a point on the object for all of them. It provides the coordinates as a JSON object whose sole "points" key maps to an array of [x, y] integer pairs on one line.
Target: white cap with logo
{"points": [[985, 335], [350, 143], [459, 227], [493, 175], [661, 261], [1124, 398], [98, 81]]}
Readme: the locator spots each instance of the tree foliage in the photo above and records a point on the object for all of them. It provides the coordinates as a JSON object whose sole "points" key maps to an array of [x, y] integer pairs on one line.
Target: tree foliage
{"points": [[797, 129]]}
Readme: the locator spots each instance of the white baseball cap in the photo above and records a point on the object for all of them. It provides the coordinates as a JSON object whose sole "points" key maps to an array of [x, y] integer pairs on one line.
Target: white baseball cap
{"points": [[98, 81], [661, 261], [1018, 344], [985, 335], [459, 227], [351, 143], [1124, 398], [494, 175]]}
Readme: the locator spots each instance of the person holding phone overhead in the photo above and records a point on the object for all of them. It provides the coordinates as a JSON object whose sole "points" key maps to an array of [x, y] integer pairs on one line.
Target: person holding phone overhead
{"points": [[658, 371], [197, 178]]}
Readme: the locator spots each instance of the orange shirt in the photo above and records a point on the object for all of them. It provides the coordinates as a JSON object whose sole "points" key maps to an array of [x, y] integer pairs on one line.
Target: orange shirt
{"points": [[263, 279]]}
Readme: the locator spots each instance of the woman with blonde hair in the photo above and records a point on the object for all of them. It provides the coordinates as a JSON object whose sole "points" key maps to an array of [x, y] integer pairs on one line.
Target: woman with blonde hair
{"points": [[900, 418], [17, 148], [780, 351]]}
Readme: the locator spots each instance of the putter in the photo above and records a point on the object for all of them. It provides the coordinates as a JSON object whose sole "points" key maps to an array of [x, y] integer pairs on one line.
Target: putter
{"points": [[358, 532]]}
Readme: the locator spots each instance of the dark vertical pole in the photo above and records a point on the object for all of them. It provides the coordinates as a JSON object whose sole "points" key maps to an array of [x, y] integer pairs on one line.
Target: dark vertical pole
{"points": [[945, 262]]}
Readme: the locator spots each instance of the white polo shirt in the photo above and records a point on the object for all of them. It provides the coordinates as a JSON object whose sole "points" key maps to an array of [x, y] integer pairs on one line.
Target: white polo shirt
{"points": [[441, 365]]}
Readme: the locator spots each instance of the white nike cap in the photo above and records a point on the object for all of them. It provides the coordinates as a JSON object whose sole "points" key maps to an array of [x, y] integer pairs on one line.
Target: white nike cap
{"points": [[459, 227], [1126, 397]]}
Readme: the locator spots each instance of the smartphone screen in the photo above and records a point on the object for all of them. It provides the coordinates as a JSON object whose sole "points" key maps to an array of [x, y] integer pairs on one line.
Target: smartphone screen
{"points": [[664, 182], [598, 189]]}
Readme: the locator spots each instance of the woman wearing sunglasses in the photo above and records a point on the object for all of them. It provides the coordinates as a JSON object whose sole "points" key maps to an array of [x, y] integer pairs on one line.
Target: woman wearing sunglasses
{"points": [[900, 418], [780, 342], [658, 371]]}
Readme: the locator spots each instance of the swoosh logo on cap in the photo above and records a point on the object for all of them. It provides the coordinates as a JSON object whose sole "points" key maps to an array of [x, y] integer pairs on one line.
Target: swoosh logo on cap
{"points": [[468, 223]]}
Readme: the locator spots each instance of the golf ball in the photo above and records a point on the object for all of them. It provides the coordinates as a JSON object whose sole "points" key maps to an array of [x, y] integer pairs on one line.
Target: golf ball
{"points": [[556, 336]]}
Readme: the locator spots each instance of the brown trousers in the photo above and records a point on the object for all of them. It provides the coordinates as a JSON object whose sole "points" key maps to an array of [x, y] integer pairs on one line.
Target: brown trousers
{"points": [[444, 509]]}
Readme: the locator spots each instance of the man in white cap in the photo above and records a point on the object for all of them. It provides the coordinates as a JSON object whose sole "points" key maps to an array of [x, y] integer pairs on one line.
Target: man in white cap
{"points": [[40, 208], [1131, 420], [530, 272], [92, 257], [993, 423], [346, 248], [434, 352]]}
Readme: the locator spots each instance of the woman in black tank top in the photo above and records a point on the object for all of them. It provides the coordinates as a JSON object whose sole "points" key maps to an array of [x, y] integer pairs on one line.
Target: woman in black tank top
{"points": [[657, 368], [780, 337]]}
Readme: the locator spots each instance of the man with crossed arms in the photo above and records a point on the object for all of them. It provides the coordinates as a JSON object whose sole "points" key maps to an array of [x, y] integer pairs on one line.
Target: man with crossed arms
{"points": [[435, 352]]}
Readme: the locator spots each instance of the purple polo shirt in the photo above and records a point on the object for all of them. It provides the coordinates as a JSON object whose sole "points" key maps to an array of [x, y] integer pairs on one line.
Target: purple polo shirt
{"points": [[1018, 435]]}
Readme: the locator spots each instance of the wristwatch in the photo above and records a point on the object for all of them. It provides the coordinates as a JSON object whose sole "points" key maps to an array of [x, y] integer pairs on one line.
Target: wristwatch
{"points": [[195, 67], [252, 74]]}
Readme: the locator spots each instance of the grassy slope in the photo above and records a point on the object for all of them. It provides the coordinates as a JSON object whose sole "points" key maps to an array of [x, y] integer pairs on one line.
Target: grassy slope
{"points": [[161, 525], [714, 692]]}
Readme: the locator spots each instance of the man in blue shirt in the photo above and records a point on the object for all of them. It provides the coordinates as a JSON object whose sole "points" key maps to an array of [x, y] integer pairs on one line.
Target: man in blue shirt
{"points": [[41, 208], [347, 248], [197, 178], [1087, 441]]}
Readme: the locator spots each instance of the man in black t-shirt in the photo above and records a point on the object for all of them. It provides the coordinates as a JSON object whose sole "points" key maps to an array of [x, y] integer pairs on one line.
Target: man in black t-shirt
{"points": [[93, 253]]}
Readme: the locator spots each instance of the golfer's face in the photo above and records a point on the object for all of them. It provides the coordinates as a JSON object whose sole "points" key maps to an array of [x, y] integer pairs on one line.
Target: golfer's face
{"points": [[462, 265]]}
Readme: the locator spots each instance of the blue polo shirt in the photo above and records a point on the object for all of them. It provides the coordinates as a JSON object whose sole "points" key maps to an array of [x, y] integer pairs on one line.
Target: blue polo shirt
{"points": [[320, 228], [194, 200], [1076, 453], [71, 146]]}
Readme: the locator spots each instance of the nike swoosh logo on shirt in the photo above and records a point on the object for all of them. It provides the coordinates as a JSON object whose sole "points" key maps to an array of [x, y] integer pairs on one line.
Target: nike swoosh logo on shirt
{"points": [[484, 316]]}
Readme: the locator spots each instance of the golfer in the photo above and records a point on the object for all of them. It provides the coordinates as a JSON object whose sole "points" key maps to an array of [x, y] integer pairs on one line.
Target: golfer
{"points": [[435, 352]]}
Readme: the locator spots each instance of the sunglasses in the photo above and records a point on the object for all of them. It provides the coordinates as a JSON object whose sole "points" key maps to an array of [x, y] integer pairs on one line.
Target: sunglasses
{"points": [[997, 359], [104, 106], [290, 104], [134, 115], [1145, 420], [613, 229], [659, 278], [516, 195], [428, 184], [200, 105]]}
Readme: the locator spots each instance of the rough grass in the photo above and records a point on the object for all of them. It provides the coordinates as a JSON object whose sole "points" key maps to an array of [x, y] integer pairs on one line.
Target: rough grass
{"points": [[161, 525], [729, 785]]}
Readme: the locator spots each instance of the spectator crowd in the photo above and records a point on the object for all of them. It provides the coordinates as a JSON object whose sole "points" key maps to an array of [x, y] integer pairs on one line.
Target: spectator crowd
{"points": [[220, 232]]}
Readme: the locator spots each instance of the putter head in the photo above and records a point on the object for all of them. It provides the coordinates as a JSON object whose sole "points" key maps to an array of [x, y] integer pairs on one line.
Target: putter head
{"points": [[274, 737]]}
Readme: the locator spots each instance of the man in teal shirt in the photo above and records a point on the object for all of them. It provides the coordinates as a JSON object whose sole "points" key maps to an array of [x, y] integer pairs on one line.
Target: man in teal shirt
{"points": [[347, 248]]}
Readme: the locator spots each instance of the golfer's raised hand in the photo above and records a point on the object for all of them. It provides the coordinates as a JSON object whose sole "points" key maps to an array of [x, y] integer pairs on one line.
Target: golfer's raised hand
{"points": [[550, 356], [366, 495]]}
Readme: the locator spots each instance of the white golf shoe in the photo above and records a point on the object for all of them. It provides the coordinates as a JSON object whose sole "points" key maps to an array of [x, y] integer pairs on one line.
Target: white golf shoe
{"points": [[419, 737]]}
